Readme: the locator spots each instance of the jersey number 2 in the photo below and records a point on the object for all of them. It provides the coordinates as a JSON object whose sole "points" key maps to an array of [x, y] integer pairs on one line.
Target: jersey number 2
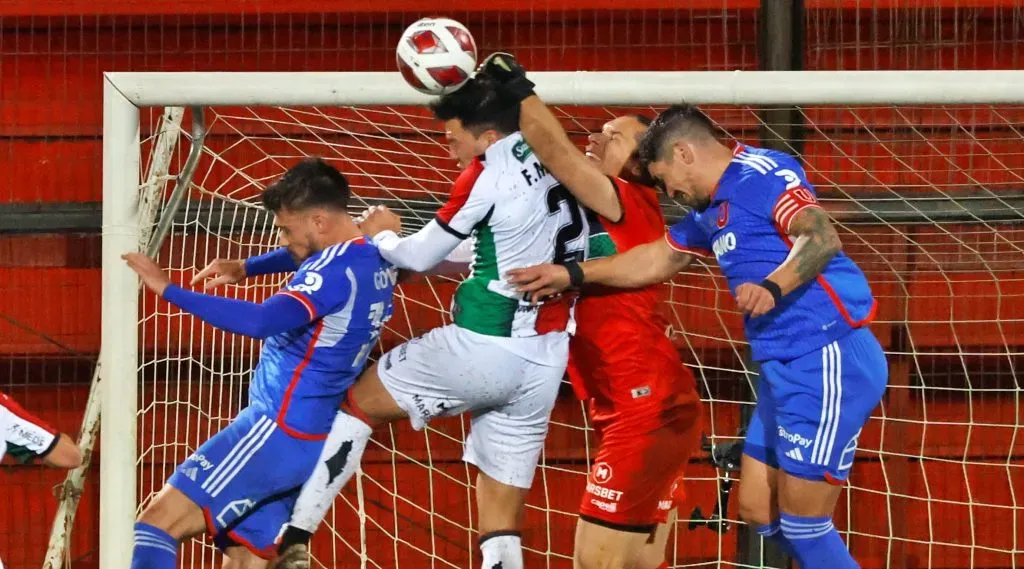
{"points": [[572, 231]]}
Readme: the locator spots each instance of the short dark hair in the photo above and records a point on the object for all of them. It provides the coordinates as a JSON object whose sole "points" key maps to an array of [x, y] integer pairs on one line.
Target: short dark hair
{"points": [[479, 107], [675, 122], [310, 183]]}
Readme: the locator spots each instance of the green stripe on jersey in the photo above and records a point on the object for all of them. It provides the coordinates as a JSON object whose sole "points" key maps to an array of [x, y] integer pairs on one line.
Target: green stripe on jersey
{"points": [[476, 307], [601, 245]]}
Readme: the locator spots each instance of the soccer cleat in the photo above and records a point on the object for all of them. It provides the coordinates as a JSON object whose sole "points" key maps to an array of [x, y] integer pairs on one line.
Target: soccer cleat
{"points": [[296, 556]]}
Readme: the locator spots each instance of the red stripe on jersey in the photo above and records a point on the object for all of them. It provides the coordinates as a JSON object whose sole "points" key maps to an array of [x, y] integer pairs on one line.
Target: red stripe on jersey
{"points": [[842, 307], [684, 249], [301, 298], [211, 528], [460, 191], [296, 377], [789, 204], [12, 406], [835, 296]]}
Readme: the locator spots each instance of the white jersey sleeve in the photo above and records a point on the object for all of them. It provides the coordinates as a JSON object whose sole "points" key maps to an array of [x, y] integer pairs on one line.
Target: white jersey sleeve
{"points": [[25, 436]]}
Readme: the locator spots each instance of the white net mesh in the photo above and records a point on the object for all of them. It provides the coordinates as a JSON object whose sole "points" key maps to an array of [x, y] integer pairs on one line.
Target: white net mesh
{"points": [[928, 201]]}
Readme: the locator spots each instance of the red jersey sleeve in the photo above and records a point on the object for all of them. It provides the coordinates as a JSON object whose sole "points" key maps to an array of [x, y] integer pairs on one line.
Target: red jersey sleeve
{"points": [[460, 213]]}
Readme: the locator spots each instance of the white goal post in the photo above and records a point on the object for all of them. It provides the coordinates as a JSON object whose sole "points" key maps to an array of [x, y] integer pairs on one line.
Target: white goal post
{"points": [[126, 93]]}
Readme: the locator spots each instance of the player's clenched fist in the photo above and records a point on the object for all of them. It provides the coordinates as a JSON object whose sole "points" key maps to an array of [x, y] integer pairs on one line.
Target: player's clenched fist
{"points": [[754, 299], [540, 281], [221, 272], [151, 274], [380, 218]]}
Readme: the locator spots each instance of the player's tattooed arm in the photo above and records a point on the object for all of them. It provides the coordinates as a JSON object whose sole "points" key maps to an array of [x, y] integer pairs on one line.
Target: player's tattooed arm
{"points": [[566, 163], [815, 242], [646, 264]]}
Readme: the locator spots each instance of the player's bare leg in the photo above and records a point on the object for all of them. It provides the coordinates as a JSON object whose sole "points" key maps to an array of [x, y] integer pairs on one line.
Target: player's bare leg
{"points": [[601, 547], [169, 518], [368, 405], [652, 556], [500, 508], [759, 500], [758, 493], [806, 508], [174, 513], [238, 557]]}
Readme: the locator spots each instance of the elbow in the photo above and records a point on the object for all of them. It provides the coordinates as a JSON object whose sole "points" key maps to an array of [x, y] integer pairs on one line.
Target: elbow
{"points": [[65, 455], [262, 330], [420, 265], [834, 245]]}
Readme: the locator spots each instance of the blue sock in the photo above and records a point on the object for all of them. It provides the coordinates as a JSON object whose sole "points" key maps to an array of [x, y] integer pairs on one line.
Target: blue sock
{"points": [[154, 548], [816, 543], [773, 531]]}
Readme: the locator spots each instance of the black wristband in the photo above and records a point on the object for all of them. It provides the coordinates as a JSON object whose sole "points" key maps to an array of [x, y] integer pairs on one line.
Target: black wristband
{"points": [[773, 288], [575, 273]]}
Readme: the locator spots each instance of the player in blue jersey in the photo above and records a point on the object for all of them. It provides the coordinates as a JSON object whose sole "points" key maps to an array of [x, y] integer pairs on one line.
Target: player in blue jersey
{"points": [[240, 486], [806, 309]]}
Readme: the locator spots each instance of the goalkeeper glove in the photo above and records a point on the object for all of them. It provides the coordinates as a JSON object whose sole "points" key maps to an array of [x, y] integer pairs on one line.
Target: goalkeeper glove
{"points": [[508, 74]]}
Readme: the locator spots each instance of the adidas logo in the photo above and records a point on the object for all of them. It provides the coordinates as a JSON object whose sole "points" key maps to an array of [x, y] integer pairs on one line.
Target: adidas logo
{"points": [[795, 454], [191, 473]]}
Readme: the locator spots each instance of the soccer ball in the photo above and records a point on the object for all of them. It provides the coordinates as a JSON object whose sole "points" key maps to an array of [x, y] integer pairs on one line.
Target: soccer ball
{"points": [[436, 55]]}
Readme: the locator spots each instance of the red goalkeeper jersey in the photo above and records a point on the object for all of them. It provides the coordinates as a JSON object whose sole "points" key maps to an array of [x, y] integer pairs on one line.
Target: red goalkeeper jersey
{"points": [[620, 354]]}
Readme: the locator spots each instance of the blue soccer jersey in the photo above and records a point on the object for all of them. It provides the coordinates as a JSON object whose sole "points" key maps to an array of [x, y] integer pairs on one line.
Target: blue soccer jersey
{"points": [[746, 227], [246, 477], [303, 373]]}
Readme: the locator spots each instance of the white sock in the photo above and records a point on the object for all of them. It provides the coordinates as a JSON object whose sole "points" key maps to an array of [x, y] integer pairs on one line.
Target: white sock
{"points": [[502, 550], [339, 460]]}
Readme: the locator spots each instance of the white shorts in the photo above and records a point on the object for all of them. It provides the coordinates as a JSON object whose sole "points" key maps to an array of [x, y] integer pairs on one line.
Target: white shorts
{"points": [[451, 370]]}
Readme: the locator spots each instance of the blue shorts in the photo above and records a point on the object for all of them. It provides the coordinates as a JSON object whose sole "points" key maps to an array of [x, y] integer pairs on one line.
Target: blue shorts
{"points": [[246, 479], [810, 410]]}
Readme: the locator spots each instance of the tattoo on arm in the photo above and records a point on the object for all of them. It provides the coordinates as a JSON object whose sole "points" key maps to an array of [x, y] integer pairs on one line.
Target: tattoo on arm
{"points": [[815, 242], [820, 242]]}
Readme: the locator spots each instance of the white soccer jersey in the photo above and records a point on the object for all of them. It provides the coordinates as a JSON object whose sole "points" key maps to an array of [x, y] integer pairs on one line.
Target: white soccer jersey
{"points": [[24, 435], [519, 216]]}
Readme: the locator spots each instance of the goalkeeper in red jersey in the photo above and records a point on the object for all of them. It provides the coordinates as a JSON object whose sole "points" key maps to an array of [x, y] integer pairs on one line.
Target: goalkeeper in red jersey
{"points": [[642, 400]]}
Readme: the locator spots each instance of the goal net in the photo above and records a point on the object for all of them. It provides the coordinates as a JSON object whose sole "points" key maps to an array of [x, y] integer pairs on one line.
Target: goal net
{"points": [[929, 199]]}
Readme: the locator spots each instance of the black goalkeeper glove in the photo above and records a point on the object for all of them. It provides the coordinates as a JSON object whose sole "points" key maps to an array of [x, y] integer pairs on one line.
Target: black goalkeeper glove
{"points": [[508, 74]]}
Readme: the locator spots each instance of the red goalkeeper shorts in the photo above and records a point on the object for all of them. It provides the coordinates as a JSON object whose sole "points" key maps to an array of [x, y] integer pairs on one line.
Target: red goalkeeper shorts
{"points": [[637, 476]]}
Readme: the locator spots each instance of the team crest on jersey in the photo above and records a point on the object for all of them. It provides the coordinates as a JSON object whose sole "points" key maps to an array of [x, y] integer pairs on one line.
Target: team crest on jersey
{"points": [[723, 215], [311, 282], [602, 473], [522, 151]]}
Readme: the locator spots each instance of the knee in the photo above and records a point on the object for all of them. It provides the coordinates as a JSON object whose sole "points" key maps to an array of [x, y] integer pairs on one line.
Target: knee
{"points": [[500, 506], [593, 556], [174, 513], [651, 557], [754, 510]]}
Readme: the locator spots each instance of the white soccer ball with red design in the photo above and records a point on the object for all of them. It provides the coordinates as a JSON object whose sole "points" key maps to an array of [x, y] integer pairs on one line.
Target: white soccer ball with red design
{"points": [[436, 55]]}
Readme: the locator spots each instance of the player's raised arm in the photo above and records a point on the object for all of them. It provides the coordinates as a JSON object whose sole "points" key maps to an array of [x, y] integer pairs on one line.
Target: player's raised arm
{"points": [[651, 263], [549, 141], [279, 313], [233, 271], [420, 252]]}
